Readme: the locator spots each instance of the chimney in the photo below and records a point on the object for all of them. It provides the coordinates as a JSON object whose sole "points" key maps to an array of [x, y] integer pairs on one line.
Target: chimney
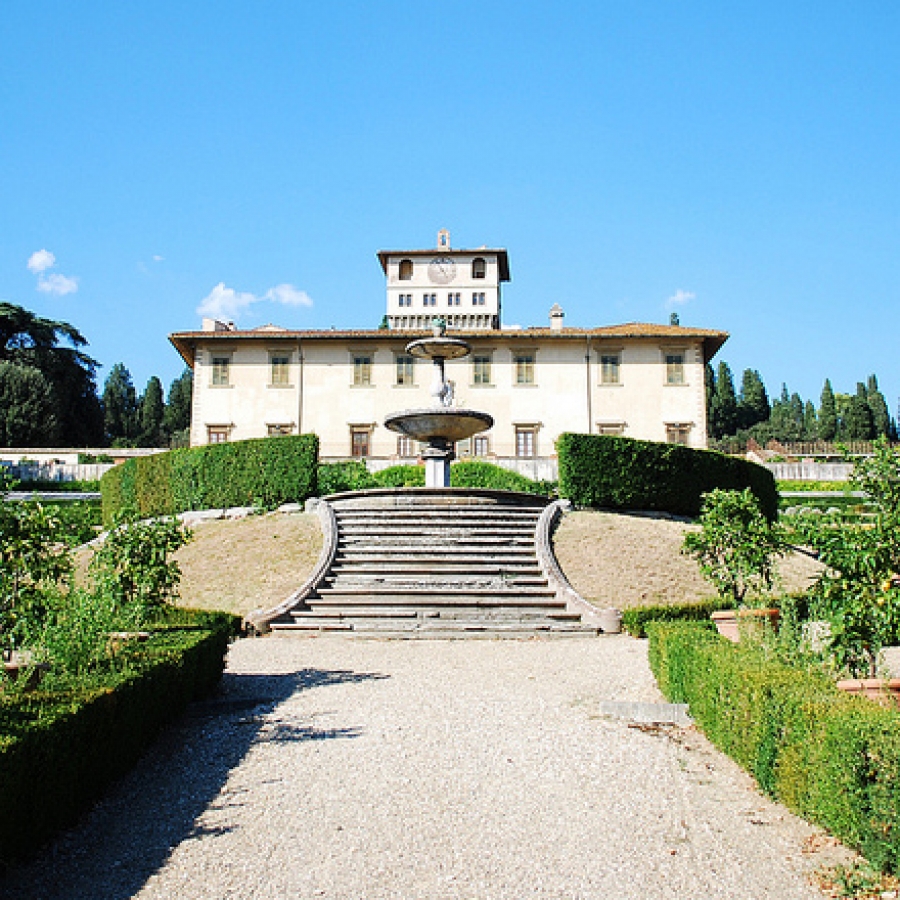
{"points": [[556, 317]]}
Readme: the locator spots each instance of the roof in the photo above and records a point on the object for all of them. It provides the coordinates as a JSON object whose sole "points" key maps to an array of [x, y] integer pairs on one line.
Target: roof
{"points": [[185, 341], [499, 252]]}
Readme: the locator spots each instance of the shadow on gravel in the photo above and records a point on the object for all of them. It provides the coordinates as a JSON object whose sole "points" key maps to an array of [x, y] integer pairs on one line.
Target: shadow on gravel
{"points": [[130, 833]]}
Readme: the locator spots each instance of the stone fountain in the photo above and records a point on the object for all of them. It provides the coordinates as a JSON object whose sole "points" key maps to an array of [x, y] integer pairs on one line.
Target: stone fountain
{"points": [[442, 425]]}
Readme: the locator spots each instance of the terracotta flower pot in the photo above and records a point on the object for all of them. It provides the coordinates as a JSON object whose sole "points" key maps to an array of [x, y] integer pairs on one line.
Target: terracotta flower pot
{"points": [[885, 691], [730, 623]]}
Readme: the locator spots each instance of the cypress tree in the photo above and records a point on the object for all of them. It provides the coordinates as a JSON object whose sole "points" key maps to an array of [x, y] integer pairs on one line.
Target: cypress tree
{"points": [[881, 417], [725, 404], [753, 404], [859, 425], [828, 421], [120, 407], [152, 408]]}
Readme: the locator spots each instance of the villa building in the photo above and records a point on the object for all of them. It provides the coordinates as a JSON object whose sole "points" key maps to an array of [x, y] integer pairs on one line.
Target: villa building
{"points": [[639, 380]]}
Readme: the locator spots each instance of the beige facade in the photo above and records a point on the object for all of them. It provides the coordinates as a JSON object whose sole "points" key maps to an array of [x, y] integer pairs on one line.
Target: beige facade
{"points": [[638, 380]]}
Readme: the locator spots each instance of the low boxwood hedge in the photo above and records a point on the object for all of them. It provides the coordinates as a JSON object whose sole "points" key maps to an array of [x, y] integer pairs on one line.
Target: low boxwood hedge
{"points": [[832, 758], [264, 472], [58, 751], [636, 619], [622, 473]]}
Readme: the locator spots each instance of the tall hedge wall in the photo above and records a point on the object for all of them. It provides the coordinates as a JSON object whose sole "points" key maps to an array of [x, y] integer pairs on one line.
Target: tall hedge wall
{"points": [[832, 758], [264, 472], [623, 473]]}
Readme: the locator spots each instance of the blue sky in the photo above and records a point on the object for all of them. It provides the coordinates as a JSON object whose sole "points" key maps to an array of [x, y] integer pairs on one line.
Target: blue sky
{"points": [[736, 163]]}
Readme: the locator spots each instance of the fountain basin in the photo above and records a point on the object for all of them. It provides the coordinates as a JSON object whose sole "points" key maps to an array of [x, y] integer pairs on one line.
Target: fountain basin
{"points": [[444, 424]]}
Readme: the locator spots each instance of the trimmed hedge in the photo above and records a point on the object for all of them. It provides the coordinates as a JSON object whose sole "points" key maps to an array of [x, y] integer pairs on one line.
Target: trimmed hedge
{"points": [[263, 472], [636, 619], [623, 473], [832, 758], [59, 751]]}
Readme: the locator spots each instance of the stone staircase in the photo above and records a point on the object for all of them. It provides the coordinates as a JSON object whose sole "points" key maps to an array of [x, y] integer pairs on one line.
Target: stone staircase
{"points": [[432, 563]]}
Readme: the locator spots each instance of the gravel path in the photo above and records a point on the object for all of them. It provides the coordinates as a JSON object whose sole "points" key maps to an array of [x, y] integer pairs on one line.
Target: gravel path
{"points": [[480, 769]]}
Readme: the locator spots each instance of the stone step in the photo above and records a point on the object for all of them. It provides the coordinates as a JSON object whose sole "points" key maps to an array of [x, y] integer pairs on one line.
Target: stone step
{"points": [[451, 614], [466, 565], [418, 528], [345, 581], [402, 629], [426, 599], [470, 539]]}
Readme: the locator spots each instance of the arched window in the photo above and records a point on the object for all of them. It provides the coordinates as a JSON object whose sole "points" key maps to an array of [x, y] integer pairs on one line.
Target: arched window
{"points": [[478, 267], [406, 270]]}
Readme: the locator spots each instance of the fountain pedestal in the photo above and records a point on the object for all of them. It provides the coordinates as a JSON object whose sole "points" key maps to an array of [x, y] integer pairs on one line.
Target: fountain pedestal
{"points": [[441, 425]]}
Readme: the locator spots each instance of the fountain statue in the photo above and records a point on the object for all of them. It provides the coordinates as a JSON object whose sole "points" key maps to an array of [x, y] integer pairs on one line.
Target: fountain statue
{"points": [[442, 425]]}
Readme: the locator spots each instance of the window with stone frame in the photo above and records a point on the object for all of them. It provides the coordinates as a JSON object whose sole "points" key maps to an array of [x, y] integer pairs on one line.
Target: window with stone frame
{"points": [[481, 368], [678, 433], [526, 441], [279, 370], [221, 371], [406, 270], [217, 434], [405, 369], [675, 367], [524, 365], [609, 368], [611, 428], [360, 442], [362, 369], [481, 445]]}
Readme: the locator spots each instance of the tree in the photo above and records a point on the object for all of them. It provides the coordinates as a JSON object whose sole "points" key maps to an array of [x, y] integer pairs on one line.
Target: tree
{"points": [[787, 416], [177, 415], [709, 386], [27, 417], [859, 424], [724, 417], [810, 423], [753, 404], [881, 417], [152, 409], [828, 420], [31, 341], [120, 407]]}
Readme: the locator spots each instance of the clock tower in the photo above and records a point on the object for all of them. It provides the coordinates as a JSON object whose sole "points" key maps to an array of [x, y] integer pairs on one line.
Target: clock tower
{"points": [[460, 286]]}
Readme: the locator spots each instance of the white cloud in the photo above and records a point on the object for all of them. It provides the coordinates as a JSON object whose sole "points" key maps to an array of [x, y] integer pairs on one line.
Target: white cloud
{"points": [[226, 303], [158, 258], [679, 298], [60, 285], [40, 261]]}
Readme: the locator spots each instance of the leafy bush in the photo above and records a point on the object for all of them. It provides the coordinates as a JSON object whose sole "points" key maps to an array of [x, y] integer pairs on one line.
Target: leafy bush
{"points": [[636, 619], [336, 478], [263, 472], [59, 487], [477, 474], [623, 473], [832, 758], [58, 750], [736, 546], [133, 566], [401, 476]]}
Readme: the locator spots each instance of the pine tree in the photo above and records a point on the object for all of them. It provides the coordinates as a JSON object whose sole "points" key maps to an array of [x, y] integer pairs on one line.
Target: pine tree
{"points": [[753, 404], [120, 407], [828, 420], [152, 408], [881, 416]]}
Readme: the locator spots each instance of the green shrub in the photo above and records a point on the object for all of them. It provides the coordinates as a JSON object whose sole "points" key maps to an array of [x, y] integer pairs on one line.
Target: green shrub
{"points": [[477, 474], [623, 473], [58, 750], [832, 758], [636, 619], [336, 478], [265, 472], [401, 476]]}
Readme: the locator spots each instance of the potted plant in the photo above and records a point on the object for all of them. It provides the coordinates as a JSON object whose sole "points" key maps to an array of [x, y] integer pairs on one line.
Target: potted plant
{"points": [[858, 593], [736, 549]]}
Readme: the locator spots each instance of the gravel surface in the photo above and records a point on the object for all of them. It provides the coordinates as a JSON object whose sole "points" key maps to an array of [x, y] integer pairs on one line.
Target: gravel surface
{"points": [[370, 769]]}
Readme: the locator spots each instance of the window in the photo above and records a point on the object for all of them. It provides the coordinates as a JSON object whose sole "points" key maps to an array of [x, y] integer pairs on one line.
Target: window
{"points": [[278, 430], [526, 441], [609, 368], [406, 269], [613, 428], [362, 369], [452, 299], [524, 368], [481, 368], [217, 434], [360, 442], [429, 299], [674, 368], [405, 299], [220, 371], [405, 369], [480, 445], [678, 433], [478, 267], [478, 299], [280, 367], [406, 447]]}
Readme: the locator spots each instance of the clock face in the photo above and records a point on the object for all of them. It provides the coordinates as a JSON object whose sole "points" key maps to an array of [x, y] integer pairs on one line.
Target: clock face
{"points": [[442, 270]]}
